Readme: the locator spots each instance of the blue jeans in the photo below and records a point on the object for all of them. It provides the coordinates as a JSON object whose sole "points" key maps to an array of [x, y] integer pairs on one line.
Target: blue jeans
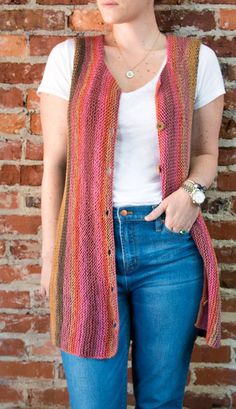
{"points": [[160, 282]]}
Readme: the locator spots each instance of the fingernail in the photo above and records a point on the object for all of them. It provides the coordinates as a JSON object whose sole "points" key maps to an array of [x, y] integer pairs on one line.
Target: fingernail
{"points": [[147, 217]]}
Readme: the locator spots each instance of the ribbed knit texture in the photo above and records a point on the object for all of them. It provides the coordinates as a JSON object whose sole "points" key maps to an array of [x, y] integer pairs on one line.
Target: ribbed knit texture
{"points": [[84, 317]]}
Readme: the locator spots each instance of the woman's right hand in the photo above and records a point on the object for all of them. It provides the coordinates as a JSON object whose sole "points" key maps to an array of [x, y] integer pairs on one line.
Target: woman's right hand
{"points": [[45, 279]]}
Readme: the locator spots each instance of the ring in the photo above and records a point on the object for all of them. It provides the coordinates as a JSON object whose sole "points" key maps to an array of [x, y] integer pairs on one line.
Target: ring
{"points": [[183, 231]]}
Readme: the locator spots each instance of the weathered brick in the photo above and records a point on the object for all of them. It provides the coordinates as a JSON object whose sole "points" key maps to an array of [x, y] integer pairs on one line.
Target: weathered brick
{"points": [[13, 46], [32, 20], [11, 369], [11, 98]]}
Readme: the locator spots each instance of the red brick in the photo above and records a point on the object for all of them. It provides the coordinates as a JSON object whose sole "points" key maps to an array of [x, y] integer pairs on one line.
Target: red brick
{"points": [[226, 254], [222, 230], [173, 18], [228, 304], [34, 151], [12, 123], [10, 394], [205, 354], [205, 400], [22, 249], [9, 200], [35, 124], [32, 20], [228, 279], [13, 2], [31, 175], [42, 45], [227, 19], [234, 400], [14, 299], [11, 98], [226, 181], [227, 156], [224, 46], [24, 323], [13, 347], [10, 150], [9, 174], [215, 376], [2, 248], [233, 204], [13, 46], [215, 1], [230, 99], [10, 369], [49, 397], [32, 99], [228, 330], [10, 273], [87, 19], [20, 224], [69, 2], [44, 349], [228, 128], [229, 72], [25, 73], [213, 205]]}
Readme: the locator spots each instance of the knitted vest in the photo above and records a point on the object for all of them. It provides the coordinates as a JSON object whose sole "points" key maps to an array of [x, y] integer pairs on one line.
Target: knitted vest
{"points": [[83, 297]]}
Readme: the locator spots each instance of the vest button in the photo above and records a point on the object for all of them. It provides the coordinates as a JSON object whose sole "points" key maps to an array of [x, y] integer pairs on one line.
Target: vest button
{"points": [[123, 212], [109, 171], [158, 168], [160, 125]]}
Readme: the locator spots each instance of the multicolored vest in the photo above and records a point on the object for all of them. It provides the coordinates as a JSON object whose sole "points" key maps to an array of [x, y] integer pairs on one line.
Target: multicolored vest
{"points": [[84, 317]]}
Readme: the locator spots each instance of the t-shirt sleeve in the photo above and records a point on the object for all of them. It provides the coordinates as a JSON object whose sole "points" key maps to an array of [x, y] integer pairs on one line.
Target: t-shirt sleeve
{"points": [[210, 83], [58, 70]]}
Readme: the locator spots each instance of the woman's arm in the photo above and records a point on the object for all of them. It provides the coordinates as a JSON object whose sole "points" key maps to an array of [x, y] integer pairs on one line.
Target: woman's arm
{"points": [[53, 115], [181, 213], [204, 144]]}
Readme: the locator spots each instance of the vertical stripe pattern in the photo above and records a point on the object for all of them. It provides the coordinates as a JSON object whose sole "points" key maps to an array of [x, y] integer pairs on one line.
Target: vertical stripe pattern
{"points": [[84, 317]]}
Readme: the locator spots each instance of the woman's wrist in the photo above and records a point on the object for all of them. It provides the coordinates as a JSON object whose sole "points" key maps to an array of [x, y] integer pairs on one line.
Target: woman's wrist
{"points": [[195, 190]]}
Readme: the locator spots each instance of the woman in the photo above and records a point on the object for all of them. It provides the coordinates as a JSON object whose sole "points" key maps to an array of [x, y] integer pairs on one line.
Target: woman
{"points": [[159, 269]]}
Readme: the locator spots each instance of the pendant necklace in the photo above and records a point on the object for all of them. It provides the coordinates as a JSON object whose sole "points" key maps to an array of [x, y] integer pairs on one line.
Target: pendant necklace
{"points": [[130, 73]]}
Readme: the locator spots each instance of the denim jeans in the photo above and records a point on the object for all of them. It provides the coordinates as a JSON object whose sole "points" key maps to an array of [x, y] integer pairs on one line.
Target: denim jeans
{"points": [[160, 282]]}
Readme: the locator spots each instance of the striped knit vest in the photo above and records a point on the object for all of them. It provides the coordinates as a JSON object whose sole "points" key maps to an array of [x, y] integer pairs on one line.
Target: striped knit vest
{"points": [[83, 297]]}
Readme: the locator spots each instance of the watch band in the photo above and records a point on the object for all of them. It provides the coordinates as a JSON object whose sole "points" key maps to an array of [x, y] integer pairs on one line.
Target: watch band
{"points": [[190, 188], [196, 184]]}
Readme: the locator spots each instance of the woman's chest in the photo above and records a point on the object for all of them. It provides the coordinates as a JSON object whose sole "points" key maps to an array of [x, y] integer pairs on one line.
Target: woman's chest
{"points": [[144, 71]]}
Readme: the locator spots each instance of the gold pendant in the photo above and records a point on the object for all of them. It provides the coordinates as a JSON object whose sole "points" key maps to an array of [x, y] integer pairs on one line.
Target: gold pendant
{"points": [[130, 74]]}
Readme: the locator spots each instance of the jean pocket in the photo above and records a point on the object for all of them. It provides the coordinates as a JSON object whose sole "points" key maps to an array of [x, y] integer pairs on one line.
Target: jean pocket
{"points": [[167, 230], [158, 224]]}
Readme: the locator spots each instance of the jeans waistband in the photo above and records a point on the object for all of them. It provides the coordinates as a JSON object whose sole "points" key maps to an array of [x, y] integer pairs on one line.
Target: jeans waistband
{"points": [[132, 212]]}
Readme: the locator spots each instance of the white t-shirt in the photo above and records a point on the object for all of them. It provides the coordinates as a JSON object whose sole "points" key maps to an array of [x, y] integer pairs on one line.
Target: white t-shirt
{"points": [[136, 180]]}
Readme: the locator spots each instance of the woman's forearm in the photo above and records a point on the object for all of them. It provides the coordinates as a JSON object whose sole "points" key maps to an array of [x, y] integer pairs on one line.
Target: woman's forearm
{"points": [[51, 196], [203, 169]]}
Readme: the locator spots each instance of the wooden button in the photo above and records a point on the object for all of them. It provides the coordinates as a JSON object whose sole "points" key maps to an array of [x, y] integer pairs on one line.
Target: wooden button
{"points": [[124, 212], [158, 168], [160, 125], [109, 171]]}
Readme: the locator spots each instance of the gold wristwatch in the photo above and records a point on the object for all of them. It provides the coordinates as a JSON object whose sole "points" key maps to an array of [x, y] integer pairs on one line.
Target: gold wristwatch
{"points": [[195, 190]]}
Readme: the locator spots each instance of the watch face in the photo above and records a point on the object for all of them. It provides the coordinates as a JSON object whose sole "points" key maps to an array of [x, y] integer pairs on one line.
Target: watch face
{"points": [[198, 196]]}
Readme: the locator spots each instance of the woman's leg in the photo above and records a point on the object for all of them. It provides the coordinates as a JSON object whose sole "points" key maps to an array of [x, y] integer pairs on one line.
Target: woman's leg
{"points": [[102, 383], [165, 295]]}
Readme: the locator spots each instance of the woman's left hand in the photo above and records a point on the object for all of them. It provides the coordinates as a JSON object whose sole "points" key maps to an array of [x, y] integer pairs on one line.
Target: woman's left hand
{"points": [[180, 211]]}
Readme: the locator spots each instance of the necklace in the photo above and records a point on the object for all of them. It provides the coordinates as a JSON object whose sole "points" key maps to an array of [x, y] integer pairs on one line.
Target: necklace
{"points": [[130, 73]]}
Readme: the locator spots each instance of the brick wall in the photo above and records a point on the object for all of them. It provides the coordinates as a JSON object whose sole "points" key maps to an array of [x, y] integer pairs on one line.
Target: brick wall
{"points": [[31, 373]]}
